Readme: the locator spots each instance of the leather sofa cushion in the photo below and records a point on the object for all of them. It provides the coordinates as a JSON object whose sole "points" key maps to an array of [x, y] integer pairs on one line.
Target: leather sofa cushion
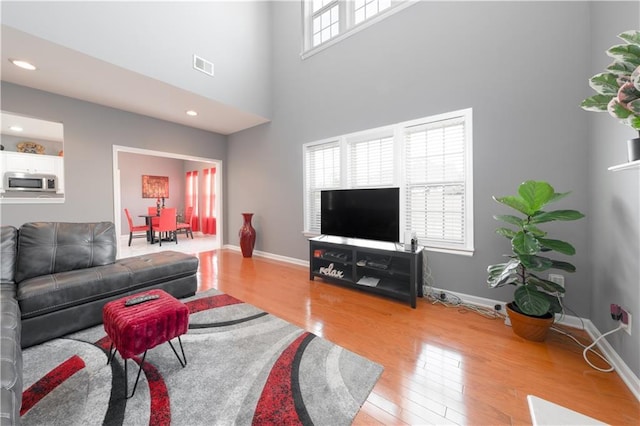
{"points": [[50, 293], [8, 245], [53, 292], [150, 269], [51, 247]]}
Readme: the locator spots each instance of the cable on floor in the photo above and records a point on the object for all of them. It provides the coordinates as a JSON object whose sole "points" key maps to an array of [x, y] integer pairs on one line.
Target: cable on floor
{"points": [[587, 348], [590, 348], [450, 300]]}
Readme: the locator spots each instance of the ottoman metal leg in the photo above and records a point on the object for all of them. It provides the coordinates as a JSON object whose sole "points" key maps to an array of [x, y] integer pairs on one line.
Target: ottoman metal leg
{"points": [[126, 377], [112, 352], [183, 364]]}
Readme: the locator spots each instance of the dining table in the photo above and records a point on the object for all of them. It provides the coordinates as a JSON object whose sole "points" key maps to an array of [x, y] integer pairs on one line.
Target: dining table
{"points": [[149, 221]]}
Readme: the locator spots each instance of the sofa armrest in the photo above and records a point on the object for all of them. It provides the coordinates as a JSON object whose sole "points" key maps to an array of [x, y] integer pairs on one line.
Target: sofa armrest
{"points": [[8, 252]]}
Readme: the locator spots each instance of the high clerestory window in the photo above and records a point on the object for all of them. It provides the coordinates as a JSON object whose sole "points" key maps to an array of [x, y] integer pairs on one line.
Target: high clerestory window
{"points": [[429, 159], [328, 21]]}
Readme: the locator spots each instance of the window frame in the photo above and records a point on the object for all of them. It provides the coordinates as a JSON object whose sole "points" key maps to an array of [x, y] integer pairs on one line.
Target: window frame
{"points": [[398, 132], [347, 26]]}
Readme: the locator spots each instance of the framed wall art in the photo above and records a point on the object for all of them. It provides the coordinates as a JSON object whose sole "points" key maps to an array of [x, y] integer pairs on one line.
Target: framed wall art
{"points": [[155, 186]]}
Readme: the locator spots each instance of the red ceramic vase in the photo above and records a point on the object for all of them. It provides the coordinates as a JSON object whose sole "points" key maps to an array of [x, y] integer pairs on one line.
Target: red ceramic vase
{"points": [[247, 235]]}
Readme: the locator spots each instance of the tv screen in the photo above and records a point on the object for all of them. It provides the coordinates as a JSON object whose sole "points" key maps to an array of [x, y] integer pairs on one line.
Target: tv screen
{"points": [[371, 214]]}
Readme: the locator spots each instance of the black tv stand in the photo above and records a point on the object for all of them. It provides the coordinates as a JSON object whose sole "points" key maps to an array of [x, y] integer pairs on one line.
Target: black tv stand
{"points": [[374, 266]]}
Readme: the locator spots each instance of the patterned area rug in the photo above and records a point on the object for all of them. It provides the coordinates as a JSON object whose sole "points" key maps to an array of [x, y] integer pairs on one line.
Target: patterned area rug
{"points": [[244, 366]]}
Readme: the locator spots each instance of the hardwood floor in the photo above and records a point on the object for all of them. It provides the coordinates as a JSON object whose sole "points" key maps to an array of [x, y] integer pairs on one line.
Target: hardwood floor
{"points": [[442, 365]]}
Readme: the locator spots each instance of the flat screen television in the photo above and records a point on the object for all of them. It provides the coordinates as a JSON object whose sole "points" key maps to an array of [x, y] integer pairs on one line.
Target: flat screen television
{"points": [[372, 214]]}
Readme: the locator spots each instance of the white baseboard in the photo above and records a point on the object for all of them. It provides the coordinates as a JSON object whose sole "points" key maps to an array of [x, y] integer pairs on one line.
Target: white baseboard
{"points": [[626, 374], [271, 256]]}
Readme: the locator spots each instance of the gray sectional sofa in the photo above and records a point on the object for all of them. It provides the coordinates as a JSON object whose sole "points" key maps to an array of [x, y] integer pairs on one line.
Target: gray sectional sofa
{"points": [[55, 279]]}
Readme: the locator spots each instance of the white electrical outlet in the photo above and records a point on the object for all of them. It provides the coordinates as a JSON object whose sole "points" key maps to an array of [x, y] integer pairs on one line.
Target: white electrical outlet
{"points": [[558, 279]]}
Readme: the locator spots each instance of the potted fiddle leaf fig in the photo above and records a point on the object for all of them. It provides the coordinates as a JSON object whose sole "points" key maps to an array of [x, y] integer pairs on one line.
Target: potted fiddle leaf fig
{"points": [[535, 297], [618, 88]]}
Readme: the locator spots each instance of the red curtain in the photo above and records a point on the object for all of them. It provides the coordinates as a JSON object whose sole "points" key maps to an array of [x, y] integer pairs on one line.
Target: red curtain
{"points": [[191, 198], [208, 217]]}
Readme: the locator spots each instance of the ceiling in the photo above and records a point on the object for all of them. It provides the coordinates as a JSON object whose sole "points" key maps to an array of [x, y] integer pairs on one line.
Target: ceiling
{"points": [[30, 127], [70, 73]]}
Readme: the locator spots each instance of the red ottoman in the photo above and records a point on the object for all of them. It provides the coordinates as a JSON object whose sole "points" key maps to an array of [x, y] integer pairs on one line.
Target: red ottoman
{"points": [[137, 328]]}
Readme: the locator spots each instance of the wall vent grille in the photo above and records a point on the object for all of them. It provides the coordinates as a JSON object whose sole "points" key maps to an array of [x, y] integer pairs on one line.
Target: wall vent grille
{"points": [[202, 65]]}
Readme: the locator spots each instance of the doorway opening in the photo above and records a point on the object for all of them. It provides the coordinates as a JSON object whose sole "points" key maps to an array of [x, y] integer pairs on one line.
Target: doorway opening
{"points": [[216, 240]]}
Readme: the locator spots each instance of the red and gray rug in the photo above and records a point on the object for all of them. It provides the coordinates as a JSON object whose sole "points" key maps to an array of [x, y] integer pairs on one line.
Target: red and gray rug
{"points": [[244, 366]]}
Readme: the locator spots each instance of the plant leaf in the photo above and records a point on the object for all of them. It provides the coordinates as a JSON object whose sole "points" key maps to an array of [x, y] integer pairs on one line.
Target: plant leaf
{"points": [[541, 217], [514, 220], [537, 232], [536, 194], [506, 232], [531, 301], [503, 273], [515, 203], [525, 243], [620, 68], [617, 110], [634, 106], [535, 263], [559, 246], [565, 266], [496, 269], [626, 53], [628, 93], [631, 36], [545, 285], [634, 121], [596, 103], [605, 83]]}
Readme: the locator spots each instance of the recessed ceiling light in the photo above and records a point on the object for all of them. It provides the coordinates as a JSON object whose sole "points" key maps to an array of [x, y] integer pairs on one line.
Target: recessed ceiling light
{"points": [[16, 128], [192, 113], [23, 64]]}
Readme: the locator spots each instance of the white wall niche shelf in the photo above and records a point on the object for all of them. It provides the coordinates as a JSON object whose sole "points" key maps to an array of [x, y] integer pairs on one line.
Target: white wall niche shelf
{"points": [[625, 166]]}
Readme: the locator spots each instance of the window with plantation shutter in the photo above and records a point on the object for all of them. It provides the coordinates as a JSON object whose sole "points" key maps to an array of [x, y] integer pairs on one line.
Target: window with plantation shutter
{"points": [[437, 182], [322, 171], [429, 159], [370, 163]]}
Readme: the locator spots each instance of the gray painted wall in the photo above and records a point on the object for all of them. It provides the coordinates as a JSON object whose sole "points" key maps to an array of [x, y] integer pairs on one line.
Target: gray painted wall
{"points": [[427, 59], [158, 39], [614, 207], [90, 131]]}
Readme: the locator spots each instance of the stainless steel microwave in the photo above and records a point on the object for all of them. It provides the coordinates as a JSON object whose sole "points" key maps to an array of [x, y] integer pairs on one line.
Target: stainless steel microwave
{"points": [[14, 181]]}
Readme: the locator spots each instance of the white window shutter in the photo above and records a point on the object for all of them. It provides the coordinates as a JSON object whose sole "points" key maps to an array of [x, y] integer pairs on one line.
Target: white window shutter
{"points": [[322, 171], [370, 163], [435, 173]]}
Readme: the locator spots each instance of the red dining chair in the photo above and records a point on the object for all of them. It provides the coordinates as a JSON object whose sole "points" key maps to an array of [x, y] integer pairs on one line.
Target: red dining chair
{"points": [[186, 225], [167, 223], [135, 228]]}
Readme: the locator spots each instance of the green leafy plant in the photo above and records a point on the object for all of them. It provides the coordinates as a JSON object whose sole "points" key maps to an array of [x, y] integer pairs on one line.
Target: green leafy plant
{"points": [[534, 295], [618, 87]]}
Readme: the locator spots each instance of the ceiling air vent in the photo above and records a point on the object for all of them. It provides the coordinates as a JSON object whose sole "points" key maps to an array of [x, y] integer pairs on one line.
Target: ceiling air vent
{"points": [[202, 65]]}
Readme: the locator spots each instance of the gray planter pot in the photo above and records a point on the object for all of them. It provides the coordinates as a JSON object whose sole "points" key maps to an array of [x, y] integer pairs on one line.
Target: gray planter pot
{"points": [[633, 146]]}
